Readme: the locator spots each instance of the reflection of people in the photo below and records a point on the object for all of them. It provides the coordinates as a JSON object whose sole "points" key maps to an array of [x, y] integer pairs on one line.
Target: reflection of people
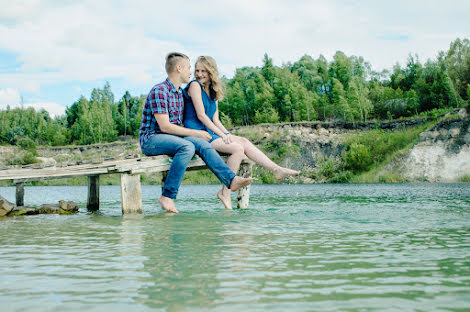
{"points": [[160, 133], [201, 113], [181, 264]]}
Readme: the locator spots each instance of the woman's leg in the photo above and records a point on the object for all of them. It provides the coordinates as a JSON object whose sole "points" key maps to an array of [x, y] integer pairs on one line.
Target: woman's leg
{"points": [[255, 154], [236, 152]]}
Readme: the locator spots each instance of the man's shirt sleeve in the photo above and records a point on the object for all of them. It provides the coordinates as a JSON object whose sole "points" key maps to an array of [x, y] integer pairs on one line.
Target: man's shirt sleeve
{"points": [[159, 101]]}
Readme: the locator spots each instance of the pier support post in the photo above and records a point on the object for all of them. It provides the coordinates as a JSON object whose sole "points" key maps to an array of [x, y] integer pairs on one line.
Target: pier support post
{"points": [[164, 175], [243, 197], [131, 194], [20, 194], [93, 202]]}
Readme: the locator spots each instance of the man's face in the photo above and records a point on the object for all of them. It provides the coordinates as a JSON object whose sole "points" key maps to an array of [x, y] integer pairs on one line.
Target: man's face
{"points": [[185, 71]]}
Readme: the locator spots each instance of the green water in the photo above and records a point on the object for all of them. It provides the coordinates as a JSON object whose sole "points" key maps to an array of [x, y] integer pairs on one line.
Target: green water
{"points": [[367, 247]]}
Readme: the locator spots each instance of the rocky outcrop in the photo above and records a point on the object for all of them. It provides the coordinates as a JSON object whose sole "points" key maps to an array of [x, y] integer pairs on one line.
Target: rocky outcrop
{"points": [[442, 155], [63, 156]]}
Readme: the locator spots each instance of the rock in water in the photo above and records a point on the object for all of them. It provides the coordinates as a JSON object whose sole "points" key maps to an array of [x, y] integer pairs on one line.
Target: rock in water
{"points": [[5, 207], [63, 207]]}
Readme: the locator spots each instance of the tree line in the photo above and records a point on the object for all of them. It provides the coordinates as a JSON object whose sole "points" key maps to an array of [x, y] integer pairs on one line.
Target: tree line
{"points": [[345, 89]]}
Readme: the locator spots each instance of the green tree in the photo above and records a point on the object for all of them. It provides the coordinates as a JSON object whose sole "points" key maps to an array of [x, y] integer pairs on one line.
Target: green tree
{"points": [[341, 68], [457, 60]]}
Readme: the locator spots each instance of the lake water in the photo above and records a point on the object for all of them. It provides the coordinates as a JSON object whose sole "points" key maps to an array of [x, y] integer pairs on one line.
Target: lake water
{"points": [[353, 247]]}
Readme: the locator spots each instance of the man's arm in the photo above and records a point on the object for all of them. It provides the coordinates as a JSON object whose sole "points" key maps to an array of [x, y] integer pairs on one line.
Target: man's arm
{"points": [[167, 127]]}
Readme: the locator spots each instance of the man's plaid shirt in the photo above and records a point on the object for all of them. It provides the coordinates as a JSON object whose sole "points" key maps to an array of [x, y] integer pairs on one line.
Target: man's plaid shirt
{"points": [[162, 99]]}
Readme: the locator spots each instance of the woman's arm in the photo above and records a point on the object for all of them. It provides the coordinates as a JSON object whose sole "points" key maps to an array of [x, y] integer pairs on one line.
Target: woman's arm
{"points": [[227, 138], [196, 96], [216, 119]]}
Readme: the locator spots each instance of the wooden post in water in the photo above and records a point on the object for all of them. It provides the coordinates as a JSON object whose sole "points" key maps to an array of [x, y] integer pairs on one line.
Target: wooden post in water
{"points": [[93, 202], [243, 197], [131, 194], [20, 194], [164, 175]]}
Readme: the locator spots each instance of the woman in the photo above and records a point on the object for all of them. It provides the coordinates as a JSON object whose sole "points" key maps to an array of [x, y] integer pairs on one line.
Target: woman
{"points": [[201, 112]]}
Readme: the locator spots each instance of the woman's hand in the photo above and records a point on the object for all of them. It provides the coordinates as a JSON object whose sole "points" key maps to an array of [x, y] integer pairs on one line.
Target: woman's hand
{"points": [[227, 138]]}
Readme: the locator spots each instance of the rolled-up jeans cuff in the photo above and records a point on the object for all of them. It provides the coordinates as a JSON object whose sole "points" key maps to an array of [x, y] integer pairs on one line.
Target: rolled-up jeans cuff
{"points": [[168, 194]]}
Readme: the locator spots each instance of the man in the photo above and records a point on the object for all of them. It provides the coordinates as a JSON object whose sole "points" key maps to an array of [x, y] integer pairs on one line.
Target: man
{"points": [[161, 133]]}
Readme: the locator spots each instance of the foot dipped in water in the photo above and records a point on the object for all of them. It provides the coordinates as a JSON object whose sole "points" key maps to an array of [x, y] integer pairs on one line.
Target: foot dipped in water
{"points": [[281, 172], [239, 182], [167, 204], [224, 196]]}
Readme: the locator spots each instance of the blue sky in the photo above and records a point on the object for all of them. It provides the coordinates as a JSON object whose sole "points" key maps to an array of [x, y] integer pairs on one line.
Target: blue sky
{"points": [[54, 51]]}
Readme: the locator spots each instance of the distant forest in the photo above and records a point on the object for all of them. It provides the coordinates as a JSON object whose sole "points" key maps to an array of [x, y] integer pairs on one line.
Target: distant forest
{"points": [[345, 89]]}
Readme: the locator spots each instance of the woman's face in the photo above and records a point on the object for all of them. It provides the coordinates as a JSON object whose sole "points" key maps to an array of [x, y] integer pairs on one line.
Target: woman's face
{"points": [[201, 74]]}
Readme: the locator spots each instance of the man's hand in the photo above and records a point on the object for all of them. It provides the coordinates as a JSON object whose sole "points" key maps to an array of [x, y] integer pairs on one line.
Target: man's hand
{"points": [[203, 135]]}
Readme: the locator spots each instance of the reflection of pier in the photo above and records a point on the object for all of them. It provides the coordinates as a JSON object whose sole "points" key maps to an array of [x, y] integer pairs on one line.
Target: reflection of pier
{"points": [[129, 169]]}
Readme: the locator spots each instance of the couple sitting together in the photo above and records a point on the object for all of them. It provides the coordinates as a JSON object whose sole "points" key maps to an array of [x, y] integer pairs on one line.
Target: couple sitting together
{"points": [[161, 131]]}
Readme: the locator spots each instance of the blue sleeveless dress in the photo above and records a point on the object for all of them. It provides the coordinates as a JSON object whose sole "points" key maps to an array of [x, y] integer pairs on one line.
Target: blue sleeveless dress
{"points": [[190, 119]]}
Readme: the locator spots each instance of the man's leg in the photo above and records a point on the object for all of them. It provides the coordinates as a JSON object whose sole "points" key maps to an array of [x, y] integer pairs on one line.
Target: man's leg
{"points": [[182, 152], [217, 165]]}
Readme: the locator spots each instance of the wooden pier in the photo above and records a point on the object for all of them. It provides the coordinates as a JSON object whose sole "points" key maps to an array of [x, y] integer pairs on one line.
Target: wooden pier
{"points": [[130, 171]]}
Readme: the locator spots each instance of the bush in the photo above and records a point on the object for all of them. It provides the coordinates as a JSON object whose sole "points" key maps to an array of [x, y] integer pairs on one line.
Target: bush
{"points": [[267, 115], [465, 178], [26, 143], [357, 158]]}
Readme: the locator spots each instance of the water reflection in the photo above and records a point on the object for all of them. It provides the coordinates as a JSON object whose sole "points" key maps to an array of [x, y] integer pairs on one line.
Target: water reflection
{"points": [[180, 255]]}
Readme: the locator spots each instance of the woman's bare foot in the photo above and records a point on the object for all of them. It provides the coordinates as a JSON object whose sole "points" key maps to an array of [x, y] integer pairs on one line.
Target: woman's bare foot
{"points": [[224, 196], [167, 204], [281, 172], [239, 182]]}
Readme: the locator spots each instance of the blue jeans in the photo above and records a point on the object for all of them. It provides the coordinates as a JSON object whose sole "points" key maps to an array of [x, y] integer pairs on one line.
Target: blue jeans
{"points": [[182, 150]]}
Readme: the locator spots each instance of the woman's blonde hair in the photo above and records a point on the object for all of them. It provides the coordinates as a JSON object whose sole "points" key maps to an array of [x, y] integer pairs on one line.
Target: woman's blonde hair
{"points": [[211, 67]]}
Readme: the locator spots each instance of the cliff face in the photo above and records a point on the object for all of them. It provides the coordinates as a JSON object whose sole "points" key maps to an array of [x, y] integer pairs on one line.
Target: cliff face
{"points": [[314, 140], [442, 155]]}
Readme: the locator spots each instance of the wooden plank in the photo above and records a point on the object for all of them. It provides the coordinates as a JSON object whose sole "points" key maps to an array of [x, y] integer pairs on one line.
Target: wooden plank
{"points": [[193, 164], [93, 202], [132, 166], [20, 194], [61, 175], [131, 195], [127, 167]]}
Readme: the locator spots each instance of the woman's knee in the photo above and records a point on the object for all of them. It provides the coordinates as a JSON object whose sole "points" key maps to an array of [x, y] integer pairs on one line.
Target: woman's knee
{"points": [[244, 142], [237, 149]]}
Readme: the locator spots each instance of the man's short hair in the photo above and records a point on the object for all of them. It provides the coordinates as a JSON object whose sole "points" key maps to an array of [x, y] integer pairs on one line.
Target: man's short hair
{"points": [[172, 59]]}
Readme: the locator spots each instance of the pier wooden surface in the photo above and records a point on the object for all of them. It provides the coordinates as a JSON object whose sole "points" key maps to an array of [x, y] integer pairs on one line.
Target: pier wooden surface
{"points": [[129, 169]]}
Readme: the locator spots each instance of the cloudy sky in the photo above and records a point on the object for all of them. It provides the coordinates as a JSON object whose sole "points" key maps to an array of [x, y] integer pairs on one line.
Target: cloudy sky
{"points": [[54, 51]]}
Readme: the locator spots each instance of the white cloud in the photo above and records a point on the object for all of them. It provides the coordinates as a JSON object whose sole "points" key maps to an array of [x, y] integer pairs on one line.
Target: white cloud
{"points": [[72, 41], [54, 109], [9, 96], [12, 97]]}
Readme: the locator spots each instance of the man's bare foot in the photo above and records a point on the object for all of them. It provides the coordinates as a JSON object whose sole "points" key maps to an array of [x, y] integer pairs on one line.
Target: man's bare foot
{"points": [[280, 173], [224, 196], [167, 204], [239, 182]]}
